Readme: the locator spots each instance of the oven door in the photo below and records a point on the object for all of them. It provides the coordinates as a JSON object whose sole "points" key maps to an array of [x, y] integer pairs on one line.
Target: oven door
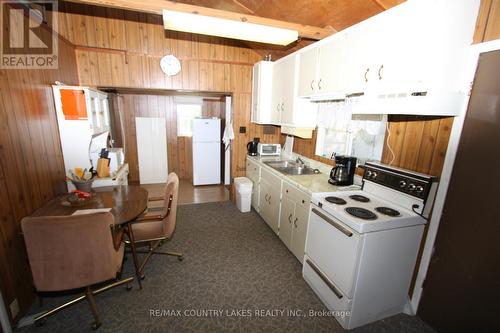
{"points": [[334, 248]]}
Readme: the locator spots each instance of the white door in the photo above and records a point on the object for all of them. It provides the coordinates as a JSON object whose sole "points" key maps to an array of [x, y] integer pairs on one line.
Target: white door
{"points": [[151, 136]]}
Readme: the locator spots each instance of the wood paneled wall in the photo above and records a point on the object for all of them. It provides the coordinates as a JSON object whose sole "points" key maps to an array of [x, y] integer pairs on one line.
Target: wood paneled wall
{"points": [[123, 49], [418, 143], [31, 162], [488, 21], [179, 149]]}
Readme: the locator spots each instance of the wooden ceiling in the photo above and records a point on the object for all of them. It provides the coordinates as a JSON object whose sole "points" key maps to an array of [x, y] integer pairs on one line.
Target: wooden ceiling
{"points": [[338, 14], [331, 15]]}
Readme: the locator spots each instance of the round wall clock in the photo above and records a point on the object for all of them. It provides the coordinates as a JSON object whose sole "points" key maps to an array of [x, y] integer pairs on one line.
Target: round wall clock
{"points": [[170, 65]]}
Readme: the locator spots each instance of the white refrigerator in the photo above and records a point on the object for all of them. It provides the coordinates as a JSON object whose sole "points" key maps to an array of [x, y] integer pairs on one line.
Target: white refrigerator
{"points": [[206, 151]]}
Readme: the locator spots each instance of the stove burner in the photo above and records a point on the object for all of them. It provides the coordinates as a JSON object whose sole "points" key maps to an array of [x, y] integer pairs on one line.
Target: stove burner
{"points": [[336, 200], [360, 198], [387, 211], [361, 213]]}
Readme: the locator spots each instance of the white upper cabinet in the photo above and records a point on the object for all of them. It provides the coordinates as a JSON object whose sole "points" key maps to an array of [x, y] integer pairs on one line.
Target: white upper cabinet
{"points": [[406, 60], [261, 92], [321, 69], [308, 71], [277, 103]]}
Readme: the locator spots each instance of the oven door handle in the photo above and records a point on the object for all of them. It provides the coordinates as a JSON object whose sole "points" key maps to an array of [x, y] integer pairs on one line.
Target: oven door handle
{"points": [[325, 280], [332, 222]]}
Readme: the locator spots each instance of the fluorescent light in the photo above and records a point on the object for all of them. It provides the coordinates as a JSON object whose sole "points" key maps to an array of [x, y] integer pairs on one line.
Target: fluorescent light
{"points": [[214, 26]]}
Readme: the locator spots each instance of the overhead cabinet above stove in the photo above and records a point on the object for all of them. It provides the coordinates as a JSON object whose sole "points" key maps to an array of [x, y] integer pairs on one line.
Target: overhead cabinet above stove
{"points": [[406, 60]]}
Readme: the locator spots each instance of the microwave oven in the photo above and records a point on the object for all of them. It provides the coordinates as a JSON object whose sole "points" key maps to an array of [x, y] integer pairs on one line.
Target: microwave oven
{"points": [[269, 149]]}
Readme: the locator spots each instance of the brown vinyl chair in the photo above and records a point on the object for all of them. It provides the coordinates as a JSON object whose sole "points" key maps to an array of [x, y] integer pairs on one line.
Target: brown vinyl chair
{"points": [[70, 252], [157, 228]]}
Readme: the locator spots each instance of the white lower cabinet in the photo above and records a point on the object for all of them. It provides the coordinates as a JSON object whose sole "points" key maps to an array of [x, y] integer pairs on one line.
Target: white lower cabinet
{"points": [[269, 205], [286, 227], [253, 173], [283, 206], [294, 219]]}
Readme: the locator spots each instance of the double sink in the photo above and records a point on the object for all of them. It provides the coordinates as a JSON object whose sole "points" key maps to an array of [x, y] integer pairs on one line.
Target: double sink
{"points": [[290, 167]]}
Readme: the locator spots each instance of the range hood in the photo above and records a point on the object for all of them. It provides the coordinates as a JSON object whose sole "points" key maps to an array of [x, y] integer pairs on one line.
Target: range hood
{"points": [[417, 103], [423, 103]]}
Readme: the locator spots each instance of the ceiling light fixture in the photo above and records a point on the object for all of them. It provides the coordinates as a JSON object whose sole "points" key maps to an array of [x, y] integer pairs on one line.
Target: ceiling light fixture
{"points": [[214, 26]]}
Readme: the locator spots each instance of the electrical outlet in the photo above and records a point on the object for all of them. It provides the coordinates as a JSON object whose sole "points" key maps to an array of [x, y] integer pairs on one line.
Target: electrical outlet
{"points": [[14, 308]]}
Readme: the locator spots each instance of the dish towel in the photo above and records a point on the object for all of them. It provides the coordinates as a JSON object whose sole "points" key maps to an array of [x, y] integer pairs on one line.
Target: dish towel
{"points": [[228, 135]]}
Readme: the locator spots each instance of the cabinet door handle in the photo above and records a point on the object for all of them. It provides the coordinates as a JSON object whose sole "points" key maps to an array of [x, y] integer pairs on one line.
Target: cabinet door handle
{"points": [[312, 85], [366, 74], [295, 222], [325, 280], [358, 94], [286, 191], [282, 106], [303, 201], [319, 84], [380, 72], [265, 197], [290, 218], [332, 223], [278, 107], [269, 199]]}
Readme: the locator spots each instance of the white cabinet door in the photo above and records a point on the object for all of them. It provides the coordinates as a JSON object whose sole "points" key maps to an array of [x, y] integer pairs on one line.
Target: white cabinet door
{"points": [[255, 196], [151, 136], [288, 82], [300, 222], [269, 205], [362, 57], [261, 92], [277, 93], [308, 61], [331, 60], [253, 173], [255, 115], [286, 218], [274, 207]]}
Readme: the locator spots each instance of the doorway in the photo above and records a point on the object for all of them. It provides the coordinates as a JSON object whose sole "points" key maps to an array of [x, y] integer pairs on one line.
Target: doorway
{"points": [[131, 104]]}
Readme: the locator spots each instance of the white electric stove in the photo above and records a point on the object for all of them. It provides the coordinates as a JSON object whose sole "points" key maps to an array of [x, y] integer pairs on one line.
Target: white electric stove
{"points": [[362, 245]]}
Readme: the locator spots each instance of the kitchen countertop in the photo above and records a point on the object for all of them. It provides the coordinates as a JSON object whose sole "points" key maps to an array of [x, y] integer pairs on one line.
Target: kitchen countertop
{"points": [[308, 183]]}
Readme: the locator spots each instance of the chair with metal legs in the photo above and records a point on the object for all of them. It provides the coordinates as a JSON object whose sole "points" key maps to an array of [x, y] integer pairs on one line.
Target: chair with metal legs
{"points": [[72, 252], [154, 228]]}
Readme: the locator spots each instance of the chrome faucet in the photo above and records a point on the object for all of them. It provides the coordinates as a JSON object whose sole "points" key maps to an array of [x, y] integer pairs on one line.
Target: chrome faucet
{"points": [[301, 161]]}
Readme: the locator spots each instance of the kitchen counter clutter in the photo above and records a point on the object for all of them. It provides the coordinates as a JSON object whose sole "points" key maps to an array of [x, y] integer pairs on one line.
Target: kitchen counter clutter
{"points": [[284, 201]]}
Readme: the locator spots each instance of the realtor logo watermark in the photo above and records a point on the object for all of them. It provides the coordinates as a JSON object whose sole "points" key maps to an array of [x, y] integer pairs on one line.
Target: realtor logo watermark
{"points": [[29, 37]]}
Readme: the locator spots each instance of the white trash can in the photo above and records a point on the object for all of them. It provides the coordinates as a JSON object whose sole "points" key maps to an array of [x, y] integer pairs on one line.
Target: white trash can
{"points": [[243, 193]]}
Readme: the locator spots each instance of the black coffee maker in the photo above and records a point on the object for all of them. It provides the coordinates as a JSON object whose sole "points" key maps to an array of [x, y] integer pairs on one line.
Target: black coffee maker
{"points": [[342, 173], [252, 147]]}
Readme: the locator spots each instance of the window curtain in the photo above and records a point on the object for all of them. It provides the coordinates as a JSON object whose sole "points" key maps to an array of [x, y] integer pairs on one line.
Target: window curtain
{"points": [[344, 133]]}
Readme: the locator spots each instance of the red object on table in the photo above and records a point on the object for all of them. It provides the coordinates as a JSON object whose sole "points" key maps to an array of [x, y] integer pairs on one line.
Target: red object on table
{"points": [[82, 194]]}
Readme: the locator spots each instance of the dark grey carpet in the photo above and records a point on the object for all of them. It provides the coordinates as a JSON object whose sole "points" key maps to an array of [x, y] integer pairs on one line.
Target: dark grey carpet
{"points": [[233, 262]]}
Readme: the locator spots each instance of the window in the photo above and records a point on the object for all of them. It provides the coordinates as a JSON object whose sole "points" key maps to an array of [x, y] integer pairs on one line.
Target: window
{"points": [[342, 133], [185, 115]]}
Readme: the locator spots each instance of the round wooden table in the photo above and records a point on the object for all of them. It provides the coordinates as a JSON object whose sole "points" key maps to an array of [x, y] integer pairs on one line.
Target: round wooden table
{"points": [[127, 202]]}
